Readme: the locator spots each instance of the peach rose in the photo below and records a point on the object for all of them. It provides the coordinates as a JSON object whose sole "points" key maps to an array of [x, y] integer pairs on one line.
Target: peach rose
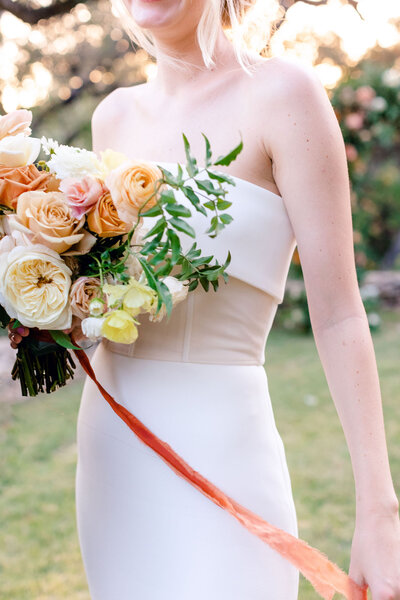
{"points": [[131, 184], [103, 219], [16, 180], [83, 291], [16, 121], [45, 218], [81, 193]]}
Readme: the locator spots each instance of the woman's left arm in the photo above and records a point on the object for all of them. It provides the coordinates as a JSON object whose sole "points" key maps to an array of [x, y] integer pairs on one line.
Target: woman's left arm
{"points": [[306, 146]]}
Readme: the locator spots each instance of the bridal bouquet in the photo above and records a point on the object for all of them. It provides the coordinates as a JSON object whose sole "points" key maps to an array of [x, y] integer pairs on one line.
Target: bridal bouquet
{"points": [[73, 243]]}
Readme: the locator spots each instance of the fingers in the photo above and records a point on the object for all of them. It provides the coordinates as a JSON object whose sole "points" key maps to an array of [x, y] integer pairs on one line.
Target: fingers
{"points": [[16, 335]]}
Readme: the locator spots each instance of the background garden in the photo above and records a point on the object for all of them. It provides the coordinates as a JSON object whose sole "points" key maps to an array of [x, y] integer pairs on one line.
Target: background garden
{"points": [[59, 59]]}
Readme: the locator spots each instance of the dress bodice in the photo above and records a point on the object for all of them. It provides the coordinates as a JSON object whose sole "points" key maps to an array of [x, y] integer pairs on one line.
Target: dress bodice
{"points": [[230, 325]]}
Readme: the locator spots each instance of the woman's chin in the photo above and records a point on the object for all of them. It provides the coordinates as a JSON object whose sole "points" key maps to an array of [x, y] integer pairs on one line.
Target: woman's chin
{"points": [[153, 14]]}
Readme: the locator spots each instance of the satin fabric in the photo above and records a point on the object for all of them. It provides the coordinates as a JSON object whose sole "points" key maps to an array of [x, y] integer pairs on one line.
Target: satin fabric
{"points": [[198, 382]]}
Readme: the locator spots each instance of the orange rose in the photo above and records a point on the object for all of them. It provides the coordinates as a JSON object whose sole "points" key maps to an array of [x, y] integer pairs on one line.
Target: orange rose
{"points": [[131, 185], [16, 180], [103, 219]]}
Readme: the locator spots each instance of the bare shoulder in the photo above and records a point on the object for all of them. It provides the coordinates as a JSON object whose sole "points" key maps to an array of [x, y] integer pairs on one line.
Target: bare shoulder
{"points": [[286, 79], [292, 103], [106, 117]]}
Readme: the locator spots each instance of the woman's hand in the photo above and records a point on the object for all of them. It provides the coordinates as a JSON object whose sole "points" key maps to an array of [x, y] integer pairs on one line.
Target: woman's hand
{"points": [[375, 553], [15, 335]]}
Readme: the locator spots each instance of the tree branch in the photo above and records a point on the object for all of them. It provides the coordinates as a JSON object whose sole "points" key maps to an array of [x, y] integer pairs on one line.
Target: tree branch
{"points": [[33, 15]]}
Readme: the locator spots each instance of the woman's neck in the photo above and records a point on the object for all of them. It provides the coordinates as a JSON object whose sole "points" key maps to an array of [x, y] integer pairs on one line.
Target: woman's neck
{"points": [[171, 80]]}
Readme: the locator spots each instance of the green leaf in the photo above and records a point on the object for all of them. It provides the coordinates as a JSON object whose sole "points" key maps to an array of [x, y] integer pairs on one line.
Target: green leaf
{"points": [[193, 285], [210, 204], [208, 187], [225, 218], [208, 150], [151, 245], [168, 196], [169, 177], [191, 163], [166, 296], [223, 204], [181, 225], [152, 212], [178, 210], [164, 269], [16, 324], [205, 283], [62, 339], [194, 199], [151, 280], [159, 226], [220, 177], [228, 158], [159, 257], [175, 245]]}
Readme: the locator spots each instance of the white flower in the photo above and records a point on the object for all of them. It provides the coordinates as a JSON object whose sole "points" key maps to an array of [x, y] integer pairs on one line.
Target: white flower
{"points": [[178, 291], [391, 78], [18, 150], [91, 327], [34, 284], [68, 161], [48, 144], [378, 104], [96, 307], [369, 290], [374, 319]]}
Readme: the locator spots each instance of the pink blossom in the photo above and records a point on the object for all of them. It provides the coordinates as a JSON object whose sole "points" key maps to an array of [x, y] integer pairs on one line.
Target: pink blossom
{"points": [[82, 193], [354, 120], [365, 94], [351, 152]]}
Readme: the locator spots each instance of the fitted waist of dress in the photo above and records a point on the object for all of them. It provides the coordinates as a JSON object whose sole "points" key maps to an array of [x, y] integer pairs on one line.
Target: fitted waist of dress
{"points": [[229, 326]]}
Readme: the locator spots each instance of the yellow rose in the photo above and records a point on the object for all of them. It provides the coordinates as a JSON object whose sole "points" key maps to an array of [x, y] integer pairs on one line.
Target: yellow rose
{"points": [[103, 219], [34, 284], [133, 297], [119, 326], [46, 218], [132, 184]]}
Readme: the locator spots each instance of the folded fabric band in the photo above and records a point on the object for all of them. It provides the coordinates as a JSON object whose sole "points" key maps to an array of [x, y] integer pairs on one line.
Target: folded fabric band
{"points": [[326, 577]]}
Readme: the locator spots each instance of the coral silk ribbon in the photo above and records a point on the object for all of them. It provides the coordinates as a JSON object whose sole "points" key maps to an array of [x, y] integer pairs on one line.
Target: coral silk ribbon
{"points": [[326, 577]]}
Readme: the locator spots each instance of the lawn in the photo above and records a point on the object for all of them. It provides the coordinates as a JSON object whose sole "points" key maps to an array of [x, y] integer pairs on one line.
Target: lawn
{"points": [[39, 552]]}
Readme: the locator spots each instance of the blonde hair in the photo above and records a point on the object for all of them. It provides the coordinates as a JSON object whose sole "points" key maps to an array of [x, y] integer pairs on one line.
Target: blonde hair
{"points": [[247, 23]]}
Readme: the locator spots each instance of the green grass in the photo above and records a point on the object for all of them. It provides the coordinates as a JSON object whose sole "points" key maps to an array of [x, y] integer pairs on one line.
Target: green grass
{"points": [[39, 552]]}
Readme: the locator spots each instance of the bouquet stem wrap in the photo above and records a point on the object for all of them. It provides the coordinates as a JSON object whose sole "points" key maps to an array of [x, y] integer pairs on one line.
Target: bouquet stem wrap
{"points": [[326, 577]]}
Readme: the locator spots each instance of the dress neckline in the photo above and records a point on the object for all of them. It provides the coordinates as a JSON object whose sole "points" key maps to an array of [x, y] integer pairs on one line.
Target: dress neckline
{"points": [[240, 179]]}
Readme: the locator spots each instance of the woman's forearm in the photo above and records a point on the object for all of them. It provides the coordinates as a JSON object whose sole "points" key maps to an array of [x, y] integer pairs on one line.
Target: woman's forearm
{"points": [[348, 358]]}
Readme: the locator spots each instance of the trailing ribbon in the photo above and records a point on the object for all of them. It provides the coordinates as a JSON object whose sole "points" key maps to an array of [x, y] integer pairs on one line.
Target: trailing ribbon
{"points": [[326, 577]]}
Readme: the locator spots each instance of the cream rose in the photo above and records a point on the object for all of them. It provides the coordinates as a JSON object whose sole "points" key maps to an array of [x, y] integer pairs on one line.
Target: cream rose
{"points": [[83, 291], [46, 218], [19, 150], [132, 184], [103, 219], [34, 284]]}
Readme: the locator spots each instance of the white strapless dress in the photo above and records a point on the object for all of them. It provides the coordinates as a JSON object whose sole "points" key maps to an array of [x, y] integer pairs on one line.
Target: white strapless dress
{"points": [[198, 382]]}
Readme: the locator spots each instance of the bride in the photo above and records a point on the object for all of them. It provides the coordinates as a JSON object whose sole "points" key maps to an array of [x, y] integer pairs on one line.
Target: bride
{"points": [[198, 380]]}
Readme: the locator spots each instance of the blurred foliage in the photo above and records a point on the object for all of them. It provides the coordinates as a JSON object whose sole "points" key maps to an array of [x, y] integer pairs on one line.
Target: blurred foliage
{"points": [[367, 104]]}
